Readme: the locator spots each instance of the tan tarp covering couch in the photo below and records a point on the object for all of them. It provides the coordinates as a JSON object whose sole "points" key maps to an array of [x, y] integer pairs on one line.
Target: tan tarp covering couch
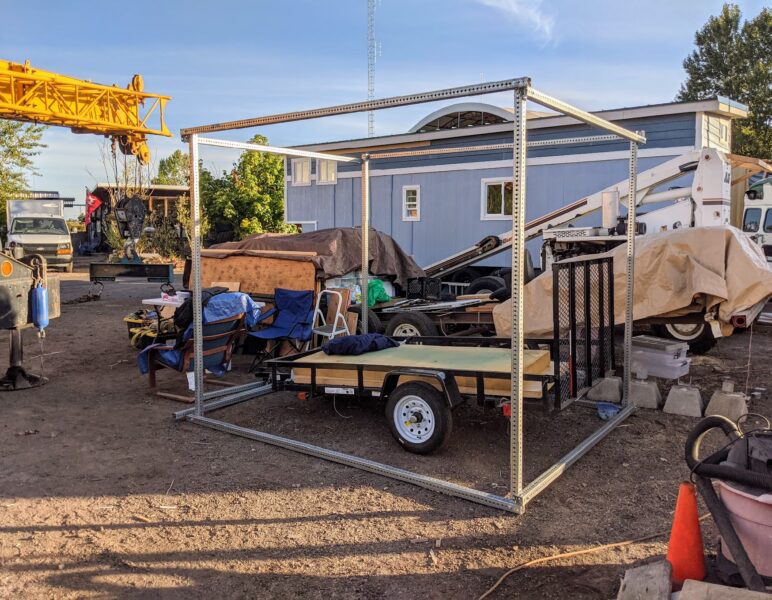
{"points": [[676, 273]]}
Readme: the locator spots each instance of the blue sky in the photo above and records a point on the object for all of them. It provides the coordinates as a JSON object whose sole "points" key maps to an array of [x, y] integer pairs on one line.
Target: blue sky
{"points": [[226, 60]]}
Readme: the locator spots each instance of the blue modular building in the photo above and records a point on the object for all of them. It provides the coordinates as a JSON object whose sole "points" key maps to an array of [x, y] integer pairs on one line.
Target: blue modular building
{"points": [[436, 205]]}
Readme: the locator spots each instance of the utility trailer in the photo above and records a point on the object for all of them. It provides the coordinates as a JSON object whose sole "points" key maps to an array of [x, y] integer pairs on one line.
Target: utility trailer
{"points": [[422, 381]]}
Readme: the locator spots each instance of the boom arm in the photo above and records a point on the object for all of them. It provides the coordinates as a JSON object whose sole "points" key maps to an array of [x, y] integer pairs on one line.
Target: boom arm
{"points": [[36, 96], [710, 187]]}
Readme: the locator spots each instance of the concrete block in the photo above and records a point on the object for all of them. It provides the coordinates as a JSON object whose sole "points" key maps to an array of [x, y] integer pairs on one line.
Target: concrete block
{"points": [[699, 590], [647, 582], [645, 394], [608, 389], [731, 405], [684, 400]]}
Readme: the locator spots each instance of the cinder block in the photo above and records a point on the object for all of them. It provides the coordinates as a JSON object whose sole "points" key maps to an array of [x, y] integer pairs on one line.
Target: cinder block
{"points": [[647, 582], [700, 590], [684, 400], [731, 405], [645, 394], [608, 389]]}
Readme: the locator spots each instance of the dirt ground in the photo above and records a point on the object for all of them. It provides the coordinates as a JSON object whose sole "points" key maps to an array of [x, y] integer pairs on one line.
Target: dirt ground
{"points": [[103, 495]]}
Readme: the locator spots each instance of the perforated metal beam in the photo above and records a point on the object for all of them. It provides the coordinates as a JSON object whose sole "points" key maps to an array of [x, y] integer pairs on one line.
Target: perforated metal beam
{"points": [[273, 150]]}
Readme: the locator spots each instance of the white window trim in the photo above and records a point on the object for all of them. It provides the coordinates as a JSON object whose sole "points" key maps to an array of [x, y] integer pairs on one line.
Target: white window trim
{"points": [[406, 188], [484, 216], [295, 162], [296, 222], [319, 180]]}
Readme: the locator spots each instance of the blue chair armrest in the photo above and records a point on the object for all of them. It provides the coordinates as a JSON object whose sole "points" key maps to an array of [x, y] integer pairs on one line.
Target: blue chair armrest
{"points": [[266, 314]]}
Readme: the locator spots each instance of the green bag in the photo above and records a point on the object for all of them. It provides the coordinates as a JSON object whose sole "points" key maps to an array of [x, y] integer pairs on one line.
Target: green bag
{"points": [[376, 292]]}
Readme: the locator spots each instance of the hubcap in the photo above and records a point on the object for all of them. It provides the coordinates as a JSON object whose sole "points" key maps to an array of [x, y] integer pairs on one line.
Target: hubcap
{"points": [[414, 419], [685, 331], [407, 330]]}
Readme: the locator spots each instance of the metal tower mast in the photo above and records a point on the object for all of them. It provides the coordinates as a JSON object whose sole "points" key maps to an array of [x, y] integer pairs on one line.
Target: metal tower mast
{"points": [[371, 52]]}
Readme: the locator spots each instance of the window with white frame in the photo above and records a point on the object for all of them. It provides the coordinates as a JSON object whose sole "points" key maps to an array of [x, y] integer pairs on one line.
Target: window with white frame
{"points": [[411, 203], [301, 171], [326, 171], [496, 199]]}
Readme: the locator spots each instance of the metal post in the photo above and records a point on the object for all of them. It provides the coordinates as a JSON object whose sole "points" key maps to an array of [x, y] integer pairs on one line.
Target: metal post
{"points": [[198, 326], [365, 239], [631, 198], [518, 249]]}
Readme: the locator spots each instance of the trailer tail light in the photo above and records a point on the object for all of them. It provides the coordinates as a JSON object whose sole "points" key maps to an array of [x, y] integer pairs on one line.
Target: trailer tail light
{"points": [[506, 409], [6, 268]]}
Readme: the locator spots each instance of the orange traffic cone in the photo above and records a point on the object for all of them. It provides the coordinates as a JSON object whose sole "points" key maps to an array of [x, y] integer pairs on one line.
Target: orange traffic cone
{"points": [[685, 551]]}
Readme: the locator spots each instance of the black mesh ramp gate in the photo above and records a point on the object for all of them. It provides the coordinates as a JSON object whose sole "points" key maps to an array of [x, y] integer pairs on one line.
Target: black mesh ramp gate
{"points": [[583, 317]]}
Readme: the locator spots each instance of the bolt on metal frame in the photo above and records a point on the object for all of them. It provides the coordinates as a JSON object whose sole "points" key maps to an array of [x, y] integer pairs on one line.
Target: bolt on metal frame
{"points": [[519, 495]]}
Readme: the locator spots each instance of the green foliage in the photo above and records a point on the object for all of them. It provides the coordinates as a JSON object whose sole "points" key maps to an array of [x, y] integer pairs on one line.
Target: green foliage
{"points": [[173, 170], [251, 196], [19, 143], [732, 58]]}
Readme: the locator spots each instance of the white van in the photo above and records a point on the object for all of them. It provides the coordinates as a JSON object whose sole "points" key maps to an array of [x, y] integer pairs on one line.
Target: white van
{"points": [[38, 227], [757, 218]]}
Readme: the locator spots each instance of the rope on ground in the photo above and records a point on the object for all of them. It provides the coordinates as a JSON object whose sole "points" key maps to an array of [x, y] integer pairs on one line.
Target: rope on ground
{"points": [[544, 559]]}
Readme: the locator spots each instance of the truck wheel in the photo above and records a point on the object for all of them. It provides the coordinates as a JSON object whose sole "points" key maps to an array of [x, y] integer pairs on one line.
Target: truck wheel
{"points": [[374, 324], [485, 285], [698, 335], [418, 417], [411, 324]]}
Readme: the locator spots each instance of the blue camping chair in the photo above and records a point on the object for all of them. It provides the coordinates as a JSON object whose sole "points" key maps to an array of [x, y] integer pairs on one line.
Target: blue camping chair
{"points": [[293, 316]]}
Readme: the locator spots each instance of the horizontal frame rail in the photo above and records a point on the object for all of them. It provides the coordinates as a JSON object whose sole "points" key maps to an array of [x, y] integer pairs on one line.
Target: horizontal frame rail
{"points": [[491, 87], [274, 150]]}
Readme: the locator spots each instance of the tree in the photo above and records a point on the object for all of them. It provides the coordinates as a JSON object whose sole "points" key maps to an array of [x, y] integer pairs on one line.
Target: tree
{"points": [[19, 144], [732, 58], [173, 170], [250, 197]]}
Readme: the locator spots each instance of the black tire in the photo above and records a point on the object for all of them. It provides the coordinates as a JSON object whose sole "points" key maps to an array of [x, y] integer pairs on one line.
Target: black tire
{"points": [[374, 324], [412, 324], [697, 335], [487, 284], [465, 275], [421, 401]]}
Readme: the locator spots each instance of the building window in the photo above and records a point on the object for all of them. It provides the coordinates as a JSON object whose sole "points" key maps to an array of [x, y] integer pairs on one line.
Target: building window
{"points": [[496, 199], [752, 220], [301, 171], [326, 171], [411, 203]]}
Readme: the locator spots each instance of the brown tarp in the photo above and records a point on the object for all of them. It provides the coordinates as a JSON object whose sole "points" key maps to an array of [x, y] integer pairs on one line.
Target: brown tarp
{"points": [[676, 273], [338, 251]]}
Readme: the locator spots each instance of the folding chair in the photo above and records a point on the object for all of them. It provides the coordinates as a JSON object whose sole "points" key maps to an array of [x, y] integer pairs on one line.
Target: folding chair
{"points": [[293, 316], [218, 341]]}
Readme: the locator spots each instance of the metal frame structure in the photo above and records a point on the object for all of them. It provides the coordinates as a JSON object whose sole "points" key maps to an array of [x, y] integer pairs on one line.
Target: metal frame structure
{"points": [[519, 494]]}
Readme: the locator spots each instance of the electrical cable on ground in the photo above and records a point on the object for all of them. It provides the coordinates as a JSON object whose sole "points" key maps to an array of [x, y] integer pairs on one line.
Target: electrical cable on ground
{"points": [[544, 559]]}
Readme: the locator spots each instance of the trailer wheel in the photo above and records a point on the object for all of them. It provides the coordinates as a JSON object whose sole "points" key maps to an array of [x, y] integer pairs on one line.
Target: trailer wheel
{"points": [[485, 285], [418, 417], [374, 324], [412, 324], [698, 335]]}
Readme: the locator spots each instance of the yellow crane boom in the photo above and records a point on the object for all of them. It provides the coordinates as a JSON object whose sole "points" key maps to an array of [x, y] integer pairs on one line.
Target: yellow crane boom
{"points": [[126, 115]]}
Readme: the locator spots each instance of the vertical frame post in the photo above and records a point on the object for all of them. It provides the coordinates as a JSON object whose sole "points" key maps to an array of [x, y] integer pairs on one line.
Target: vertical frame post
{"points": [[195, 236], [365, 241], [518, 249], [632, 194]]}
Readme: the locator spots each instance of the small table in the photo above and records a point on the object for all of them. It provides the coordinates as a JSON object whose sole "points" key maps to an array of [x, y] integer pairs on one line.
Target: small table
{"points": [[159, 303]]}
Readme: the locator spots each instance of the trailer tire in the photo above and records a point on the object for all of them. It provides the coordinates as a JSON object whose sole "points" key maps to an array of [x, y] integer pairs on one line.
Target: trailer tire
{"points": [[465, 275], [697, 335], [419, 418], [374, 324], [486, 285], [412, 324]]}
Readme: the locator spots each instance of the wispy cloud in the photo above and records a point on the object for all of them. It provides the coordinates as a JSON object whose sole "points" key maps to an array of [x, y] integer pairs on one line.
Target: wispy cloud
{"points": [[526, 12]]}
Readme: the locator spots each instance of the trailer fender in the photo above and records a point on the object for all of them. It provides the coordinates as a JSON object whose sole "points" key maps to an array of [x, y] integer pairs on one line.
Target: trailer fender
{"points": [[447, 383]]}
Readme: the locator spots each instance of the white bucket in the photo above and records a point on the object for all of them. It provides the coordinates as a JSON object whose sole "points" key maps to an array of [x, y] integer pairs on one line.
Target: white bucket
{"points": [[751, 516]]}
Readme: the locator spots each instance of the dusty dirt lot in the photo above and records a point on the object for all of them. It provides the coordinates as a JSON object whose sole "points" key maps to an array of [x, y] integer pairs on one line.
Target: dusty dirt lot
{"points": [[102, 494]]}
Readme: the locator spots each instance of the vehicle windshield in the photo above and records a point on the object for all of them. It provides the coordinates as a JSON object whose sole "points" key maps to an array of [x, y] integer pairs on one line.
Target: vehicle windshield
{"points": [[752, 219], [39, 225]]}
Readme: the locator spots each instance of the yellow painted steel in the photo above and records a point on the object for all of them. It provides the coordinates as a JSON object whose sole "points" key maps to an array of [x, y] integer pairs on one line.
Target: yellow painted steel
{"points": [[126, 115]]}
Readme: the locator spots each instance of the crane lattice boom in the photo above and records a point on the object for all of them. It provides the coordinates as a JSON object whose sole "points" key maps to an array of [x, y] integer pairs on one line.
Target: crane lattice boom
{"points": [[127, 115]]}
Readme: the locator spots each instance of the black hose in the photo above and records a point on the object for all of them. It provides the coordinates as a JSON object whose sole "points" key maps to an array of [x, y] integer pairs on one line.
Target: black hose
{"points": [[710, 467], [720, 515]]}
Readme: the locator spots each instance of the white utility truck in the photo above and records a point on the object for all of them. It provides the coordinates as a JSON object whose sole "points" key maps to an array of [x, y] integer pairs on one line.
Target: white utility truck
{"points": [[757, 218], [36, 225]]}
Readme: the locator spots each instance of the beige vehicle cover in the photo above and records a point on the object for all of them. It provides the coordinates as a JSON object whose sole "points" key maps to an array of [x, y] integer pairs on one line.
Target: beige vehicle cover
{"points": [[676, 273]]}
